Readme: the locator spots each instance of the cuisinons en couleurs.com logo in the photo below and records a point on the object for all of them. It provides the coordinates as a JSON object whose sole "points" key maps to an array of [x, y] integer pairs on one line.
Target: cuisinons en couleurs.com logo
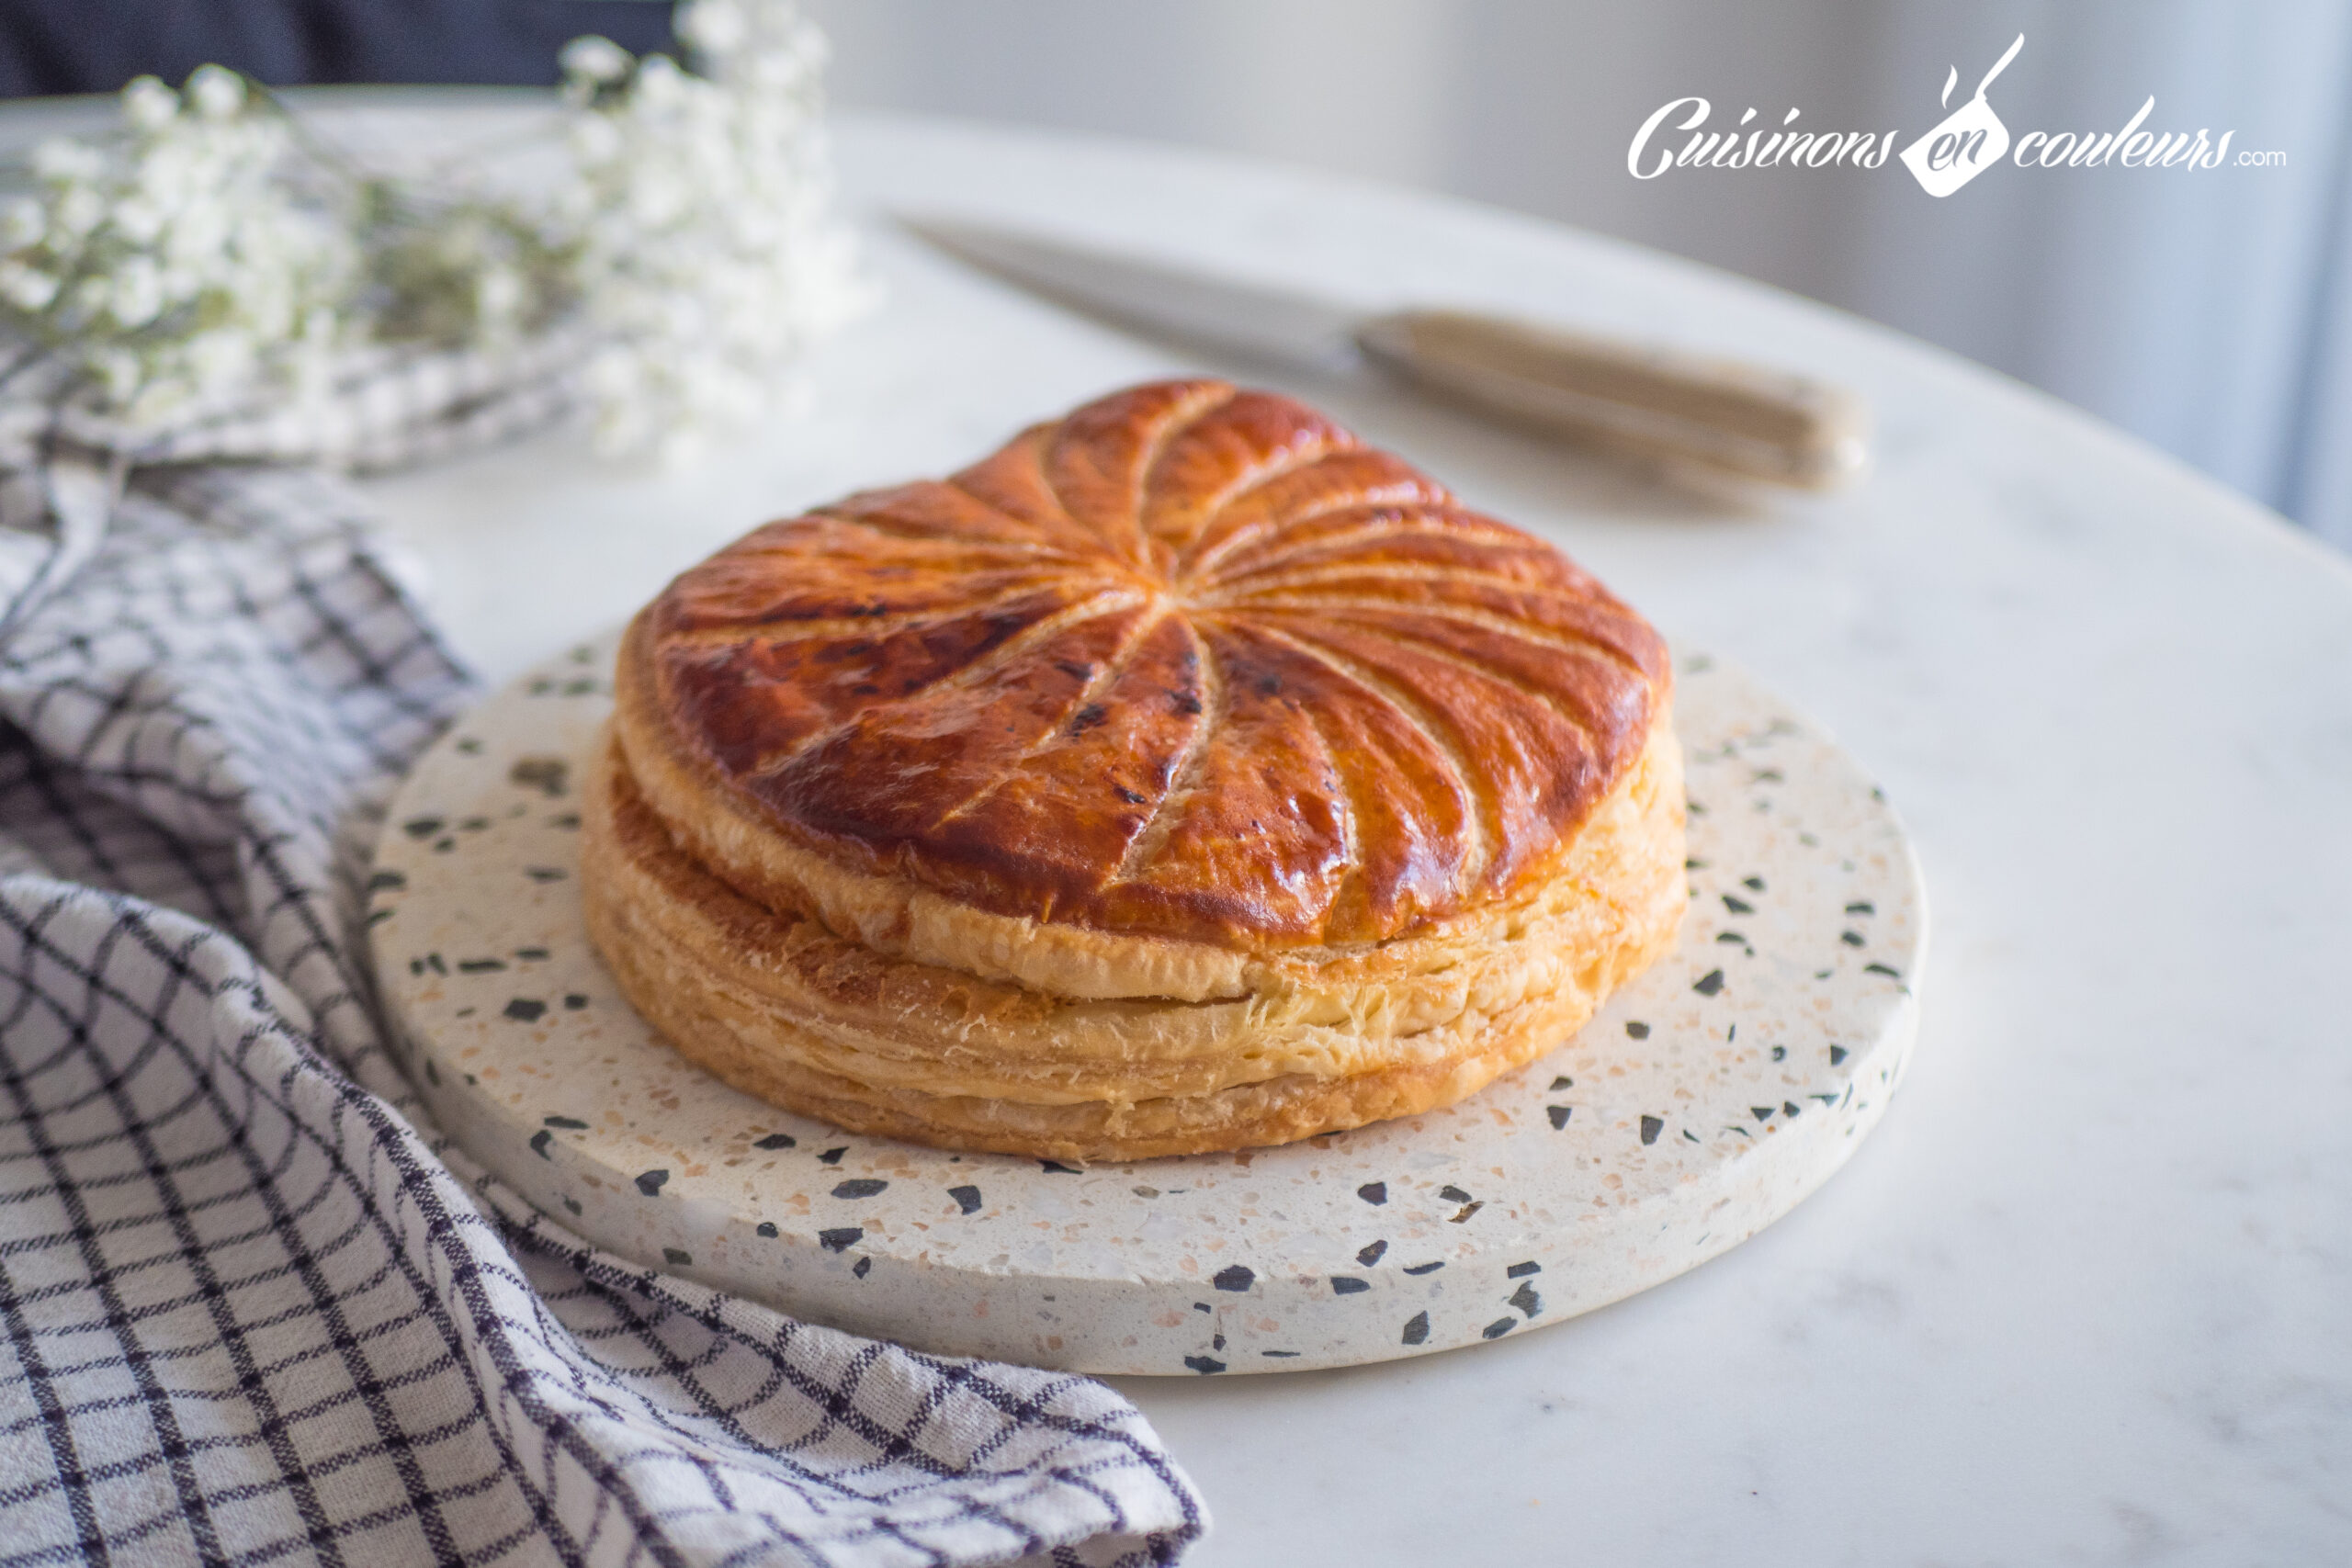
{"points": [[1965, 144]]}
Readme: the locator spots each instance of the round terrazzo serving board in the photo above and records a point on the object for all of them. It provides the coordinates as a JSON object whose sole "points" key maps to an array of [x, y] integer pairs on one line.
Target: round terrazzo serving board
{"points": [[1705, 1101]]}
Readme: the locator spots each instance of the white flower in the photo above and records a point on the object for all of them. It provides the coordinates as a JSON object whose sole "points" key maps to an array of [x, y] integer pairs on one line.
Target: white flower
{"points": [[594, 59], [699, 221], [659, 84], [22, 223], [198, 235], [138, 293], [221, 356], [148, 104], [139, 219], [79, 209], [215, 91], [711, 27], [25, 287]]}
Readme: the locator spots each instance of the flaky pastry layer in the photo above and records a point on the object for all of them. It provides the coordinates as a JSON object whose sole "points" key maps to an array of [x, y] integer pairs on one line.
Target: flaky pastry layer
{"points": [[785, 995]]}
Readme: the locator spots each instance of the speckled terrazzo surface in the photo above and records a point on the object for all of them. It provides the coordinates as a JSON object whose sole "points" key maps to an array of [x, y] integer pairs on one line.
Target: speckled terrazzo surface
{"points": [[1705, 1101]]}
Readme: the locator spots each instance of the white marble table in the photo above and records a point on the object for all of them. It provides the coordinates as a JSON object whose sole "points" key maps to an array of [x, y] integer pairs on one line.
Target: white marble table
{"points": [[2086, 1297]]}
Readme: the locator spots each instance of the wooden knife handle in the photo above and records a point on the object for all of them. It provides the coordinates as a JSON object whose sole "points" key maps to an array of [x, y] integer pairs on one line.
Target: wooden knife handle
{"points": [[1657, 405]]}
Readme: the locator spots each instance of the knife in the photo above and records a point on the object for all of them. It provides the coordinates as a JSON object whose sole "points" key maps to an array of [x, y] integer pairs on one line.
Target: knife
{"points": [[1652, 404]]}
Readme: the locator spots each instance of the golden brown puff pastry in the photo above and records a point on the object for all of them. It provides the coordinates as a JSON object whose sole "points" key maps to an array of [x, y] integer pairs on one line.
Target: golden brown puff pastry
{"points": [[1186, 775]]}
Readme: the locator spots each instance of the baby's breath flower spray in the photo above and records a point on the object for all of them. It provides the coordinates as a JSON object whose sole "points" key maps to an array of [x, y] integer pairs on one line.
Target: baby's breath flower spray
{"points": [[209, 248]]}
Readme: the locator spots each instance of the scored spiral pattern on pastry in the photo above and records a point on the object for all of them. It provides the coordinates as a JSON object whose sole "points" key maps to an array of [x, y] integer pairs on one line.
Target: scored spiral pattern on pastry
{"points": [[1191, 662]]}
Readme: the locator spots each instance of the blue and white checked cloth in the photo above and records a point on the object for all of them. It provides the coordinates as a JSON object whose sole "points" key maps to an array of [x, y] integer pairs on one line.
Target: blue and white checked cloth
{"points": [[252, 1308]]}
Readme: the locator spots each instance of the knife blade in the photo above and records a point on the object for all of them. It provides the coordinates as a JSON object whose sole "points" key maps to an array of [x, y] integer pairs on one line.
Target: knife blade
{"points": [[1646, 403]]}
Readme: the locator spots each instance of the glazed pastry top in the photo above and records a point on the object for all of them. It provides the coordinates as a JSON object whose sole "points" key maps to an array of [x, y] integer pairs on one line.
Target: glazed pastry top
{"points": [[1191, 662]]}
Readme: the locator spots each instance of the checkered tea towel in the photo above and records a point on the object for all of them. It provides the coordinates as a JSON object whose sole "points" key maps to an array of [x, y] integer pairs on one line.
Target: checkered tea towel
{"points": [[252, 1309]]}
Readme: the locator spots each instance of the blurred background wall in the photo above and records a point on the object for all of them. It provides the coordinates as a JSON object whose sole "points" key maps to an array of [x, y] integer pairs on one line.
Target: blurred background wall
{"points": [[2210, 312]]}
